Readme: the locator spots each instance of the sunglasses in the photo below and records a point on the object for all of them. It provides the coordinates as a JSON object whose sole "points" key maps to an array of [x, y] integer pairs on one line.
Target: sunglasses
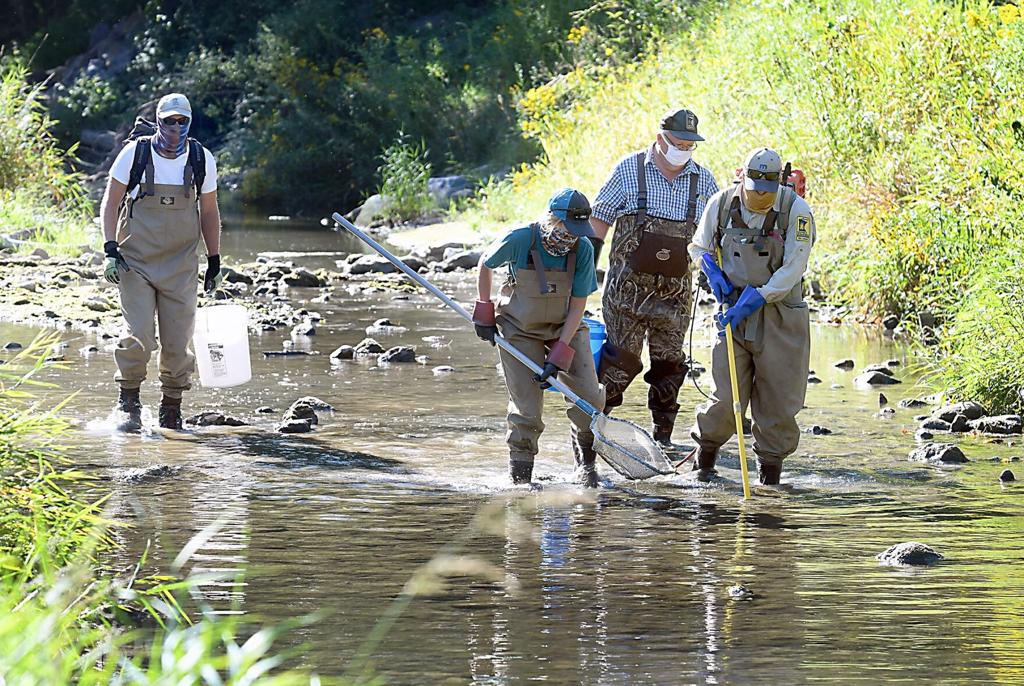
{"points": [[177, 121], [767, 176]]}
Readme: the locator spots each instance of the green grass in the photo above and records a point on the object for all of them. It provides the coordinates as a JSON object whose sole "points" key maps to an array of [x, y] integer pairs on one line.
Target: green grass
{"points": [[903, 115]]}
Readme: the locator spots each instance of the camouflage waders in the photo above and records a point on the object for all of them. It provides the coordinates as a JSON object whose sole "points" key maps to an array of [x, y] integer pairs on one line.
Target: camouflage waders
{"points": [[159, 234], [647, 294]]}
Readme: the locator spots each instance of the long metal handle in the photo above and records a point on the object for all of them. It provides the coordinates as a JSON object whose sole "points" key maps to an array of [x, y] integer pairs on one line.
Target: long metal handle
{"points": [[504, 344]]}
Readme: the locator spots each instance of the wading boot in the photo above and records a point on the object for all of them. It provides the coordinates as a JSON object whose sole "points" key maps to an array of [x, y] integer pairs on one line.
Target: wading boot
{"points": [[769, 474], [704, 464], [586, 461], [521, 471], [663, 424], [170, 413], [129, 403]]}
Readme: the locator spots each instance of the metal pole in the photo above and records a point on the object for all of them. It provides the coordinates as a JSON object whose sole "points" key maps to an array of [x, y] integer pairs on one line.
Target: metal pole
{"points": [[505, 345]]}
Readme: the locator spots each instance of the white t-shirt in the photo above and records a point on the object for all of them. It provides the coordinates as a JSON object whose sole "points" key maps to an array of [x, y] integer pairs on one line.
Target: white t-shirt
{"points": [[171, 172]]}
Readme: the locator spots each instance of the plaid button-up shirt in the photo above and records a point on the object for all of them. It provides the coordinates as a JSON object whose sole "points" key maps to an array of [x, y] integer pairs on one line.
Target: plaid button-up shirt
{"points": [[665, 199]]}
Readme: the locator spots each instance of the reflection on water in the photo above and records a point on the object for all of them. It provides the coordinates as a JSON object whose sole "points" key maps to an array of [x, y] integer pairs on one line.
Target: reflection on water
{"points": [[631, 588]]}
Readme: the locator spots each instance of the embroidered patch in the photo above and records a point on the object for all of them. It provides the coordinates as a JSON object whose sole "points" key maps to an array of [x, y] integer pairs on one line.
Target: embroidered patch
{"points": [[803, 229], [166, 199]]}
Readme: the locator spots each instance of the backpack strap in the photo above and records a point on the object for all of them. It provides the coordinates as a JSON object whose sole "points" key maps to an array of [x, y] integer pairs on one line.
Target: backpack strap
{"points": [[196, 165], [141, 162], [785, 209], [641, 189]]}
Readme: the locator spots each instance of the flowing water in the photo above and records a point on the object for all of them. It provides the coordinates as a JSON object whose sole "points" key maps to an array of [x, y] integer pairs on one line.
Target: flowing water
{"points": [[628, 587]]}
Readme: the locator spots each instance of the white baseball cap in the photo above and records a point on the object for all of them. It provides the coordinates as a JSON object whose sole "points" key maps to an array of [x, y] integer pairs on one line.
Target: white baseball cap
{"points": [[173, 103], [766, 161]]}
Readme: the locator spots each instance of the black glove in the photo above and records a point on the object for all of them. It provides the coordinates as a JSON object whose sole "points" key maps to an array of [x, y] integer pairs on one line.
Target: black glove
{"points": [[213, 276], [549, 370], [598, 244], [702, 282], [486, 333]]}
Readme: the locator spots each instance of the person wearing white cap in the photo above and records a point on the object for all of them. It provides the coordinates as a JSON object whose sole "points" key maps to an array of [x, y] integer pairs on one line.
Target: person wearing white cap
{"points": [[161, 196], [765, 231]]}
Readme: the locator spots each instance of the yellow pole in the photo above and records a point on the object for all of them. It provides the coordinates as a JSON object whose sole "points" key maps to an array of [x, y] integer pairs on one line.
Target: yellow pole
{"points": [[736, 406]]}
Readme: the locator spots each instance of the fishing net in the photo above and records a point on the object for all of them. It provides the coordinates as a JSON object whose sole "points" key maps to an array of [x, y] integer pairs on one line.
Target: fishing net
{"points": [[628, 449]]}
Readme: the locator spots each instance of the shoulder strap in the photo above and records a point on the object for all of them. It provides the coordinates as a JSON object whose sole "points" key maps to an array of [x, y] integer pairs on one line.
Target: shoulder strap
{"points": [[641, 188], [691, 205], [142, 159], [786, 208], [725, 206], [197, 163], [538, 265]]}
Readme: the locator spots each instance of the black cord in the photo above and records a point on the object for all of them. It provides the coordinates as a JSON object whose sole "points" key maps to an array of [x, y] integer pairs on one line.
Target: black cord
{"points": [[693, 316]]}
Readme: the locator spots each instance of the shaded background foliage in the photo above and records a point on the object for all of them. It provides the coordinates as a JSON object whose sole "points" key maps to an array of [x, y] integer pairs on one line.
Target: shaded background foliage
{"points": [[304, 97]]}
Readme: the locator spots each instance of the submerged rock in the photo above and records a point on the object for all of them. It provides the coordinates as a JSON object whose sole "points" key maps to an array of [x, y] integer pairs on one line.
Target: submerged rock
{"points": [[923, 435], [819, 430], [813, 379], [933, 424], [370, 264], [214, 419], [911, 553], [880, 368], [912, 403], [882, 400], [442, 369], [945, 453], [970, 409], [740, 592], [400, 353], [137, 475], [265, 409], [302, 278], [1004, 424], [1006, 475], [12, 345], [959, 424], [343, 352], [845, 364], [875, 378], [306, 328], [297, 426]]}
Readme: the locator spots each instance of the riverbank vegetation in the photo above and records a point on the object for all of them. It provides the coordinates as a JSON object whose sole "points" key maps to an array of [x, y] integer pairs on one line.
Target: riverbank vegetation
{"points": [[904, 117]]}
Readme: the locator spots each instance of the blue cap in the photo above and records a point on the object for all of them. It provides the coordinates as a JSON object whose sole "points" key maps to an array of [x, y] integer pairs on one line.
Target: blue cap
{"points": [[573, 208]]}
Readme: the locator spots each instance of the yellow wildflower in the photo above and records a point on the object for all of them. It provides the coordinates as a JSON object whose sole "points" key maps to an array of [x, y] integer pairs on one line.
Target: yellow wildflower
{"points": [[577, 33], [1008, 13]]}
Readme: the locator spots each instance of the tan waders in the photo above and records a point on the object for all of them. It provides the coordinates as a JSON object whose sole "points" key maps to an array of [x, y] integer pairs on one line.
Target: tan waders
{"points": [[647, 294], [531, 310], [772, 349], [159, 236]]}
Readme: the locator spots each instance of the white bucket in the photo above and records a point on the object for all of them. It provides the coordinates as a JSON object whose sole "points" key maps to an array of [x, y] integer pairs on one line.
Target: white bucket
{"points": [[221, 342]]}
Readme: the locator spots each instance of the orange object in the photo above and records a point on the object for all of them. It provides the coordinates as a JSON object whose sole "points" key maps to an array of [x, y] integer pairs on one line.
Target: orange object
{"points": [[798, 182]]}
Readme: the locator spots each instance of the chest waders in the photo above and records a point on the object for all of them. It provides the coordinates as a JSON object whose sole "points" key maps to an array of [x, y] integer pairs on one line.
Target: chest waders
{"points": [[771, 347], [530, 311], [647, 295], [159, 235]]}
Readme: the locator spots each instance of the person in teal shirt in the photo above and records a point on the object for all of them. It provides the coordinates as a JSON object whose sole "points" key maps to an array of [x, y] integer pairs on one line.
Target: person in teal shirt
{"points": [[549, 271]]}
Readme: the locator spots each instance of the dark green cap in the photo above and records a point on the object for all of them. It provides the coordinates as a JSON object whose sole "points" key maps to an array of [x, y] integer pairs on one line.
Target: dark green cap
{"points": [[682, 124]]}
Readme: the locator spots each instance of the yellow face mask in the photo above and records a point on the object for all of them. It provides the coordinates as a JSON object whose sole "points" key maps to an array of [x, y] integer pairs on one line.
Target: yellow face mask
{"points": [[757, 202]]}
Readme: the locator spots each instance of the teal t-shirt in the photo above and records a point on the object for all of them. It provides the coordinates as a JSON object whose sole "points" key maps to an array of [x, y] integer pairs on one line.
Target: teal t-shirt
{"points": [[514, 250]]}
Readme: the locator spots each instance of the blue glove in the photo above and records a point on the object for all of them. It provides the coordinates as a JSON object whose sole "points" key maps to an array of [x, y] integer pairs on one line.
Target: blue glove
{"points": [[719, 283], [750, 301]]}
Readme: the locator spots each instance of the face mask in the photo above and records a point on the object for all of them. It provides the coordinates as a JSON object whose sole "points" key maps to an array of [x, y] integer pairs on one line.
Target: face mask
{"points": [[171, 138], [756, 202], [676, 157], [557, 240]]}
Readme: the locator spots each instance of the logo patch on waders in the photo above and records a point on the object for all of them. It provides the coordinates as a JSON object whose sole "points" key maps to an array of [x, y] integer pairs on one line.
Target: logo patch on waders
{"points": [[664, 255], [166, 199]]}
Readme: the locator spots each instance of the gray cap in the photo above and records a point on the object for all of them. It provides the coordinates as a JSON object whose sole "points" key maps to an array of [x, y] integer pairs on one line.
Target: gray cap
{"points": [[682, 124], [173, 103], [767, 161]]}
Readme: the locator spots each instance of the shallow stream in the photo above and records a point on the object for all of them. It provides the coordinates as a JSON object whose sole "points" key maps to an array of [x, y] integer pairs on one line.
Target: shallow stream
{"points": [[629, 587]]}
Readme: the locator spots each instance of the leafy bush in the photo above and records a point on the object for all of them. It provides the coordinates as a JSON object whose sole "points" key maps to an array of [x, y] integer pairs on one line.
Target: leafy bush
{"points": [[405, 172]]}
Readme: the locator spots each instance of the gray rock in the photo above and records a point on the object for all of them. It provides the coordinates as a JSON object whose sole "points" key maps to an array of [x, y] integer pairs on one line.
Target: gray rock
{"points": [[969, 409], [368, 346], [140, 474], [370, 210], [12, 345], [928, 319], [302, 278], [911, 553], [98, 303], [845, 364], [265, 409], [438, 253], [819, 430], [933, 424], [912, 403], [875, 378], [882, 400], [466, 259], [923, 435], [1003, 424], [893, 363], [306, 328], [813, 379], [297, 426], [370, 264], [442, 369], [1006, 475], [214, 419], [413, 262], [343, 352], [235, 276], [446, 189], [304, 409], [881, 368], [946, 453], [41, 254], [959, 424], [891, 322], [399, 353]]}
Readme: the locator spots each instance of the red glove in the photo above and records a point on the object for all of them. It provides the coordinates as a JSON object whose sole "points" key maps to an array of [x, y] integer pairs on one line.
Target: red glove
{"points": [[483, 321]]}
